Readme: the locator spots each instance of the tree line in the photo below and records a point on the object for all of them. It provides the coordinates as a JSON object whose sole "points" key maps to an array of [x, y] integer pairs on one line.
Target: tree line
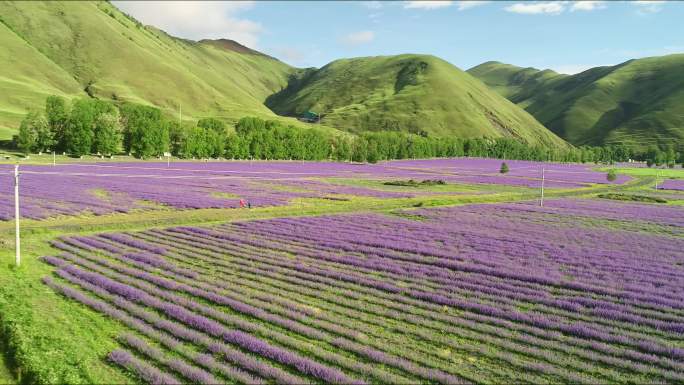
{"points": [[92, 126]]}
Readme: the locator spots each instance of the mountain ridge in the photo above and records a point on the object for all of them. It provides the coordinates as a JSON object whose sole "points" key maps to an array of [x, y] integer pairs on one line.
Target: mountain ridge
{"points": [[638, 102], [421, 92], [92, 49]]}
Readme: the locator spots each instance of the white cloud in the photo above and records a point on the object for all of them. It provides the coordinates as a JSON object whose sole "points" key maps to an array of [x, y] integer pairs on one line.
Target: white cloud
{"points": [[587, 5], [372, 4], [375, 17], [197, 19], [358, 38], [428, 4], [536, 8], [647, 7], [463, 5]]}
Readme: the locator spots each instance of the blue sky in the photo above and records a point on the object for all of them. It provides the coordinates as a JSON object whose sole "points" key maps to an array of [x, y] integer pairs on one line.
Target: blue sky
{"points": [[566, 36]]}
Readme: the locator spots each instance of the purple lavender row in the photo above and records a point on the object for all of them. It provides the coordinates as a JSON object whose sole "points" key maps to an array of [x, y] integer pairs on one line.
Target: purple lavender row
{"points": [[615, 312], [541, 321], [192, 186], [566, 305], [222, 300], [365, 351], [163, 294], [175, 329], [214, 328], [346, 243], [383, 357], [132, 242], [195, 375], [201, 359], [146, 372], [635, 354], [609, 360], [285, 221], [286, 237], [672, 184]]}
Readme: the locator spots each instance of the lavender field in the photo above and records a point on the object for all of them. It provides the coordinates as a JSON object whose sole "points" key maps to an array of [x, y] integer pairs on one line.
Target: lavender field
{"points": [[577, 291], [672, 184], [344, 273], [75, 189]]}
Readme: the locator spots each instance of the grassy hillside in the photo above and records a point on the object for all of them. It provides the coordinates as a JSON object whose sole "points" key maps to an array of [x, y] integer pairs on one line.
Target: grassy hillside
{"points": [[91, 49], [80, 48], [639, 102], [511, 81], [407, 92]]}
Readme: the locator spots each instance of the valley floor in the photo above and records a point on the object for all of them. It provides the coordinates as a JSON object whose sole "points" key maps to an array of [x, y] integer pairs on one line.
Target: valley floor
{"points": [[56, 340]]}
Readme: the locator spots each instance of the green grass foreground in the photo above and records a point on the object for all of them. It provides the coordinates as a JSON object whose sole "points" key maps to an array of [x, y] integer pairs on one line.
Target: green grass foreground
{"points": [[48, 339]]}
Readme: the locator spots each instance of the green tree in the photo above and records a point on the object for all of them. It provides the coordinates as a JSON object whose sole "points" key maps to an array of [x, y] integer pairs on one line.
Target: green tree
{"points": [[27, 137], [146, 133], [215, 142], [372, 153], [359, 150], [611, 176], [80, 132], [34, 134], [504, 168], [670, 156], [107, 138], [176, 137], [233, 147], [57, 115], [213, 124]]}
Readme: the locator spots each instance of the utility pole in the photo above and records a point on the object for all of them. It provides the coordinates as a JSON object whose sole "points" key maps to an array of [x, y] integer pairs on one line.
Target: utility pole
{"points": [[54, 159], [16, 215], [541, 202]]}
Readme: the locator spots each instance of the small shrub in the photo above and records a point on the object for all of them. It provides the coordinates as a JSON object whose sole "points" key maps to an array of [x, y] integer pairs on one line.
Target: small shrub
{"points": [[612, 175], [504, 168], [632, 198], [413, 183]]}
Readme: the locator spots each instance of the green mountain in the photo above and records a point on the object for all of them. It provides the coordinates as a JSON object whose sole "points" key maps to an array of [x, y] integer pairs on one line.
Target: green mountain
{"points": [[638, 103], [417, 93], [91, 49]]}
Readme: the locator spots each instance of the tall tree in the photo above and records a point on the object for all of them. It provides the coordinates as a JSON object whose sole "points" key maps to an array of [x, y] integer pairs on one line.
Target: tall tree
{"points": [[34, 134], [107, 133], [80, 132], [145, 132], [213, 124], [57, 114], [27, 137]]}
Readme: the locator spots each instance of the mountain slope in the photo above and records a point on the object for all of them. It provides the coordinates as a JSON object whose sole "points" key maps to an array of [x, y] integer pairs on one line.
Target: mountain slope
{"points": [[91, 49], [80, 48], [416, 93], [639, 102]]}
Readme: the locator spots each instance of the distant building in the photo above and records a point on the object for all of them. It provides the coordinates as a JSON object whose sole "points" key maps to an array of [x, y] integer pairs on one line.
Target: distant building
{"points": [[310, 117]]}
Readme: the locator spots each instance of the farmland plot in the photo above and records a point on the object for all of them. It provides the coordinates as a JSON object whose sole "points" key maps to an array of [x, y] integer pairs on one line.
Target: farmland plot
{"points": [[76, 189], [578, 291]]}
